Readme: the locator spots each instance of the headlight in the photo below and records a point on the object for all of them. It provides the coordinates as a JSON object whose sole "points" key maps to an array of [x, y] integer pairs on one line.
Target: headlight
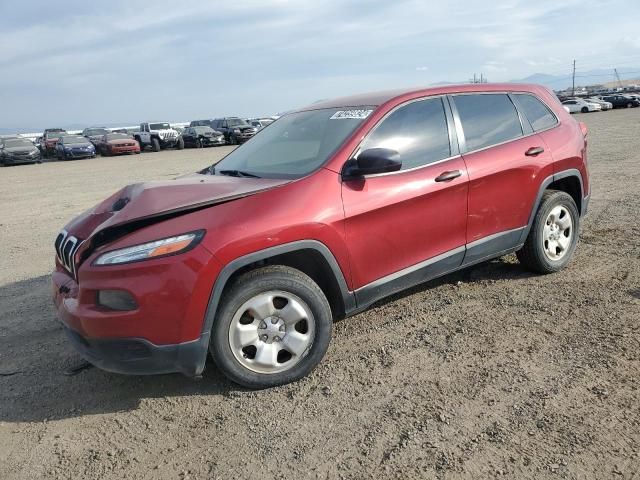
{"points": [[236, 130], [156, 249]]}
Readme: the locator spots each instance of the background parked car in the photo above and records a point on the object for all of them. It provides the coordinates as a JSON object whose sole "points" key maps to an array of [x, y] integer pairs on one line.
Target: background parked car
{"points": [[117, 144], [202, 137], [576, 105], [621, 101], [50, 139], [604, 104], [95, 134], [17, 150], [200, 123], [260, 123], [159, 136], [70, 147], [235, 129]]}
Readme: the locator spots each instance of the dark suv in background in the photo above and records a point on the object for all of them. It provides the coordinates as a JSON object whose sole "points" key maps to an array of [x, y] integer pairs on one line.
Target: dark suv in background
{"points": [[621, 101], [235, 129]]}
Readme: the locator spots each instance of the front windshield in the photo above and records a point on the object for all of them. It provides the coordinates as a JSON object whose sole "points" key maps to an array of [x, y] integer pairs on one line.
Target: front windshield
{"points": [[296, 144], [17, 142], [118, 136], [69, 140], [97, 131], [159, 126], [235, 122]]}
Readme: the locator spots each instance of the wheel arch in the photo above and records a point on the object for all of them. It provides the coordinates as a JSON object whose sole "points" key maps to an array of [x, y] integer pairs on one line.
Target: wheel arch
{"points": [[309, 256], [568, 181]]}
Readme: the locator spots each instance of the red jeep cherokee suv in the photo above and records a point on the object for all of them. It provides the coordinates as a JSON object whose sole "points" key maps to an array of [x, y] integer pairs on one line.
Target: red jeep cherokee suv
{"points": [[328, 210]]}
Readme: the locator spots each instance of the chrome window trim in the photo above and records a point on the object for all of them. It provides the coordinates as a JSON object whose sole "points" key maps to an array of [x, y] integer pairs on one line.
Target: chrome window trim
{"points": [[545, 105], [457, 114], [457, 125], [419, 167], [442, 97], [469, 152]]}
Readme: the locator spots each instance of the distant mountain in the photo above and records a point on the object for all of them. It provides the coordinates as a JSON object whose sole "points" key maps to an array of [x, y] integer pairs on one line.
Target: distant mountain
{"points": [[590, 77], [599, 76]]}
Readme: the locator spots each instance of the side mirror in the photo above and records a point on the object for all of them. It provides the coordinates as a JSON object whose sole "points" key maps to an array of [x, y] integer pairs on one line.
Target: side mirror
{"points": [[372, 161]]}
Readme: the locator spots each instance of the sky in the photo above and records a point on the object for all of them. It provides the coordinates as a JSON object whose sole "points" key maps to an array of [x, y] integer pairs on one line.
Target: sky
{"points": [[126, 61]]}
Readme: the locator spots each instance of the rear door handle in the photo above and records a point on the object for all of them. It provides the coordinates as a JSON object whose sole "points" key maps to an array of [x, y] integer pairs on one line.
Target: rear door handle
{"points": [[447, 176], [533, 151]]}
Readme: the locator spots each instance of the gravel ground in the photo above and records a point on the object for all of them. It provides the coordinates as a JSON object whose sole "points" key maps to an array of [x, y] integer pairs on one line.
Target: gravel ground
{"points": [[488, 373]]}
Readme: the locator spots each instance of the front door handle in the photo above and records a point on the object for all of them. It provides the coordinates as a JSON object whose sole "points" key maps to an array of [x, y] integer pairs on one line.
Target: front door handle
{"points": [[533, 151], [447, 176]]}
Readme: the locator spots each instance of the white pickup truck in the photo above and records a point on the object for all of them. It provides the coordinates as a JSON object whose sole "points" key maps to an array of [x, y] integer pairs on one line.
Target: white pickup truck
{"points": [[158, 136]]}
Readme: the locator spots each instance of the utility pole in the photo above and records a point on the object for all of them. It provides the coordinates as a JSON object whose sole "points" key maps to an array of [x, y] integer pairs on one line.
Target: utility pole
{"points": [[615, 71], [573, 82]]}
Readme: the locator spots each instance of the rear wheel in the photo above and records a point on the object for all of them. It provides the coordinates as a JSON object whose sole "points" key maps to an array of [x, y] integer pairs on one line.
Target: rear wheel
{"points": [[554, 234], [140, 143], [629, 105], [155, 144], [273, 327]]}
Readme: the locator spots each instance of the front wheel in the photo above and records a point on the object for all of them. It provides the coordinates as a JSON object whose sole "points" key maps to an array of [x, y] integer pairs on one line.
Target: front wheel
{"points": [[180, 143], [554, 234], [629, 105], [273, 327], [585, 110], [155, 144]]}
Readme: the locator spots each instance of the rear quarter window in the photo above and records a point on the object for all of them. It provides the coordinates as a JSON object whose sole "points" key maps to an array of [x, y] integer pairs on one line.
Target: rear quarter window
{"points": [[487, 119], [538, 114]]}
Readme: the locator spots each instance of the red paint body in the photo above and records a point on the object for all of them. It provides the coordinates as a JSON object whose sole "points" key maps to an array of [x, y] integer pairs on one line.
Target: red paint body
{"points": [[373, 227], [117, 146]]}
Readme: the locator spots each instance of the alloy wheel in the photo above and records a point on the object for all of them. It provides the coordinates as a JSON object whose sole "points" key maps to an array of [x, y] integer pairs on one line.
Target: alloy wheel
{"points": [[557, 233], [271, 332]]}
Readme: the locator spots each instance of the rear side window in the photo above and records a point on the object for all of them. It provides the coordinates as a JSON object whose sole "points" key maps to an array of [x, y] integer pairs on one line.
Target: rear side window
{"points": [[417, 131], [487, 119], [536, 112]]}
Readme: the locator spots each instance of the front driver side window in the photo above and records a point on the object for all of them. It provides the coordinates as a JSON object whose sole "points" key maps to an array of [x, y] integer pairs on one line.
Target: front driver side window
{"points": [[417, 131]]}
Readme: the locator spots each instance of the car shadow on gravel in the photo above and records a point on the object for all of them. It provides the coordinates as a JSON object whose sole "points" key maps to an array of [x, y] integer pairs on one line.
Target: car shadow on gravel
{"points": [[35, 354], [503, 268]]}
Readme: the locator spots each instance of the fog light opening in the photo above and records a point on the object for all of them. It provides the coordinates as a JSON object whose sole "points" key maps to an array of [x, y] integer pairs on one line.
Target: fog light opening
{"points": [[116, 300]]}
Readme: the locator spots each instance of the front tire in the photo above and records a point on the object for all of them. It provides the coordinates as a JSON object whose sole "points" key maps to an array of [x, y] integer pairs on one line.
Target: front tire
{"points": [[585, 110], [180, 143], [155, 144], [273, 327], [554, 234]]}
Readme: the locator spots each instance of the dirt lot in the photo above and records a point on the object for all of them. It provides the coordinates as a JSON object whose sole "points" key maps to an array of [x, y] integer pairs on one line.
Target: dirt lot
{"points": [[492, 372]]}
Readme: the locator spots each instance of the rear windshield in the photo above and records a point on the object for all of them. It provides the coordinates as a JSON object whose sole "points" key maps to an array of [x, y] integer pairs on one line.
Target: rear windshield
{"points": [[17, 142], [69, 140], [296, 144]]}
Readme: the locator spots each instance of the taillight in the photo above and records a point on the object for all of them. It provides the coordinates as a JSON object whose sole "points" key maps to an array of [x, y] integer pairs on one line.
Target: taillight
{"points": [[584, 129]]}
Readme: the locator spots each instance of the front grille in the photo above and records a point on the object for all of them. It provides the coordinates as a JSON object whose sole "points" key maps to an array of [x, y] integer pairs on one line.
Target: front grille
{"points": [[66, 247]]}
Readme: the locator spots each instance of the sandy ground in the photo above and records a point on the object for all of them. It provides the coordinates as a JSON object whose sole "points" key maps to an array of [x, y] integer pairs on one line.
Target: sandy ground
{"points": [[488, 373]]}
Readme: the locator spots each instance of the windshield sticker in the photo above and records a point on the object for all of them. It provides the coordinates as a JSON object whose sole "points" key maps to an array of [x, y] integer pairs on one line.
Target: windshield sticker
{"points": [[354, 114]]}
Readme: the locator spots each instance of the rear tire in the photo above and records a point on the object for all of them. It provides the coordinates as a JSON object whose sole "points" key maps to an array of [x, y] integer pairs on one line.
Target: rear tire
{"points": [[554, 234], [155, 144], [180, 143], [273, 327]]}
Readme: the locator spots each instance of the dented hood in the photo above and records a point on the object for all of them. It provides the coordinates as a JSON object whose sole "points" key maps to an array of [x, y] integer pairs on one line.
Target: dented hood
{"points": [[161, 199]]}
